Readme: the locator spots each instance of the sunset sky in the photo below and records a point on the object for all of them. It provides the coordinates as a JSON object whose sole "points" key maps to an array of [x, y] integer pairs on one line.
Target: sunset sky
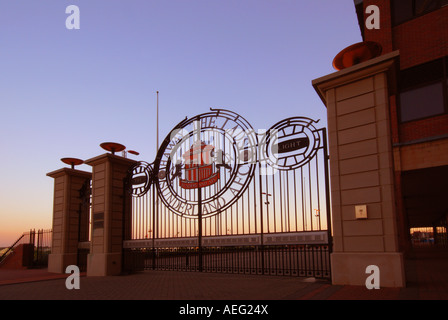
{"points": [[63, 92]]}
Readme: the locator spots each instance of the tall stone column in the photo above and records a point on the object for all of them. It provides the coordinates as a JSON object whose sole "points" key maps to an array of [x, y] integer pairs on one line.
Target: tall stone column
{"points": [[111, 214], [70, 217], [364, 213]]}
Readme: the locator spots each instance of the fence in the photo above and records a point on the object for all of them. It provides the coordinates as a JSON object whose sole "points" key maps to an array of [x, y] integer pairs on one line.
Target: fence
{"points": [[286, 260], [40, 244], [241, 210]]}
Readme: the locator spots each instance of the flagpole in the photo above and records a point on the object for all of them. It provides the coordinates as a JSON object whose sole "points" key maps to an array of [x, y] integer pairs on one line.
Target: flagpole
{"points": [[155, 194], [157, 146]]}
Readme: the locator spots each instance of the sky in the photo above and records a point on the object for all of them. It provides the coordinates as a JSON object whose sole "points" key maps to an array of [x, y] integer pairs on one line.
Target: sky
{"points": [[65, 91]]}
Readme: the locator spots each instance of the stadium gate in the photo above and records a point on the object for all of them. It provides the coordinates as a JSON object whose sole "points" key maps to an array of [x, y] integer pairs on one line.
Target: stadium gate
{"points": [[222, 197]]}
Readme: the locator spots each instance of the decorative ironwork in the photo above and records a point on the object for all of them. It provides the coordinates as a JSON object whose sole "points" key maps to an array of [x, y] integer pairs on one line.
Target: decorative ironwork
{"points": [[139, 179], [291, 143], [213, 155], [228, 199], [199, 167]]}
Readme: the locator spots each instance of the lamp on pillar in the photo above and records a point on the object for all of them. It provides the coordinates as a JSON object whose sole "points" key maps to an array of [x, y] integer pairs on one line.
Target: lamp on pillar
{"points": [[356, 53], [112, 147], [72, 161], [70, 215], [111, 215]]}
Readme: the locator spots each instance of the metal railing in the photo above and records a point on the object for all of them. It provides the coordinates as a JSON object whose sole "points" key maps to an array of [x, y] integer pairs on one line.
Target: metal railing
{"points": [[285, 260], [10, 249], [40, 241]]}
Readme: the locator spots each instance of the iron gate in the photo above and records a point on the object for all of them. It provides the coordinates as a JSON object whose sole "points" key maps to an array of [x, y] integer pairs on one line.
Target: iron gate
{"points": [[222, 197]]}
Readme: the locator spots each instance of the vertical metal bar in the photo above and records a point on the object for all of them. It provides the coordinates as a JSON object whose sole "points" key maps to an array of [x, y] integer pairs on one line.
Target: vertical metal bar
{"points": [[274, 197], [281, 201], [148, 216], [231, 220], [318, 194], [157, 133], [154, 195], [295, 201], [303, 200], [242, 214], [138, 226], [327, 189], [261, 215], [311, 197], [37, 246], [287, 203], [200, 227], [267, 202]]}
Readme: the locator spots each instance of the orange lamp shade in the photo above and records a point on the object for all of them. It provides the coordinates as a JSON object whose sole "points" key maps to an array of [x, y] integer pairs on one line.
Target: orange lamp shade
{"points": [[356, 53]]}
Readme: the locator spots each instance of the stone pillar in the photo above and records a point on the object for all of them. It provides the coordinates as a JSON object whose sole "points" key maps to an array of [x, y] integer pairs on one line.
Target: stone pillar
{"points": [[364, 213], [70, 217], [111, 206]]}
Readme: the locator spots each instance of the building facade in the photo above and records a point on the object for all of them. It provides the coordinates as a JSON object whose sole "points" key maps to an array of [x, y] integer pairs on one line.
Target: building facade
{"points": [[419, 110], [388, 136]]}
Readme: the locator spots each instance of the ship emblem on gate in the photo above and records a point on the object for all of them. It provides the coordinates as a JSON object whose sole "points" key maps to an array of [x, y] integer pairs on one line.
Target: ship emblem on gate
{"points": [[199, 167]]}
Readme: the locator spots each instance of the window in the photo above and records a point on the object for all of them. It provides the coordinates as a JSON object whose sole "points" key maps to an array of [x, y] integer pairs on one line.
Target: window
{"points": [[424, 6], [404, 10], [423, 90], [422, 102]]}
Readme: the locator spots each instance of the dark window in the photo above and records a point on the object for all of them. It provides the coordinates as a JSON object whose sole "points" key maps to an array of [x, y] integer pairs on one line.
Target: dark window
{"points": [[424, 6], [423, 90], [405, 10], [424, 73], [422, 102]]}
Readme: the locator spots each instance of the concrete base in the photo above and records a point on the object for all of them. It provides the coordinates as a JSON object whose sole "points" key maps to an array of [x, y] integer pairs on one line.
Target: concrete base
{"points": [[58, 262], [103, 264], [350, 268]]}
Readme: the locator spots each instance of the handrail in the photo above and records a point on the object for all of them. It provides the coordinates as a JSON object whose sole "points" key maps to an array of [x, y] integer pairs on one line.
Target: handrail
{"points": [[10, 248]]}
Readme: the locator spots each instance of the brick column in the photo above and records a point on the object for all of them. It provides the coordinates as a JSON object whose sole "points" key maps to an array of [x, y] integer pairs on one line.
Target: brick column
{"points": [[70, 217], [362, 172], [109, 205]]}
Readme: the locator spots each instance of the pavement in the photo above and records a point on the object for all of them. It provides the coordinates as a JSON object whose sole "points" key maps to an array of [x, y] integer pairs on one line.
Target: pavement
{"points": [[427, 279]]}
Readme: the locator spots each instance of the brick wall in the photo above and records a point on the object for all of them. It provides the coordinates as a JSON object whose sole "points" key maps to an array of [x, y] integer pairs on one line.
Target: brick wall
{"points": [[384, 35], [422, 39], [420, 129], [419, 40]]}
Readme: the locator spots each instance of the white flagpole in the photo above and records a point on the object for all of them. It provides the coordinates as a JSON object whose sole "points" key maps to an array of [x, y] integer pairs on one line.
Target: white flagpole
{"points": [[157, 146]]}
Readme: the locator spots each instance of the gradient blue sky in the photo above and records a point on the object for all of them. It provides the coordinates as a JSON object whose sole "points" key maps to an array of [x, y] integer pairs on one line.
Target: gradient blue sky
{"points": [[63, 92]]}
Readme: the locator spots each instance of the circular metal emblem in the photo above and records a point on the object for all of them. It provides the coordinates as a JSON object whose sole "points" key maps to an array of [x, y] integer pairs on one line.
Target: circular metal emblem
{"points": [[139, 179], [291, 143], [209, 159]]}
